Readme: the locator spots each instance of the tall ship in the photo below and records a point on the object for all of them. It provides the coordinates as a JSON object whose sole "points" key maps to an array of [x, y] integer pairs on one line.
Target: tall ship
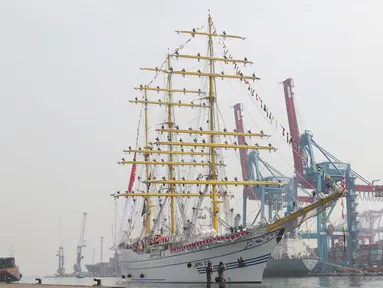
{"points": [[9, 271], [180, 210]]}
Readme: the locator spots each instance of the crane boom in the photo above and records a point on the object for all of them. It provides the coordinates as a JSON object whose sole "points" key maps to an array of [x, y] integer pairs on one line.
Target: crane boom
{"points": [[243, 152], [82, 234], [244, 157], [299, 153], [288, 84]]}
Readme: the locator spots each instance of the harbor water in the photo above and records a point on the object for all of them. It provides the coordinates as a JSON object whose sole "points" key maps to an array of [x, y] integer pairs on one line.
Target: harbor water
{"points": [[309, 282]]}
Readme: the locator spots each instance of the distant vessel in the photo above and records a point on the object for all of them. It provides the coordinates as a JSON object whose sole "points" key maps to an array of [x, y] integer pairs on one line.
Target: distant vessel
{"points": [[93, 268], [290, 259], [289, 267], [103, 269], [9, 271]]}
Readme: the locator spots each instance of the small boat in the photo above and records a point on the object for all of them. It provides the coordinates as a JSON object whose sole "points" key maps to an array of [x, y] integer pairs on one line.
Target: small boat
{"points": [[9, 271]]}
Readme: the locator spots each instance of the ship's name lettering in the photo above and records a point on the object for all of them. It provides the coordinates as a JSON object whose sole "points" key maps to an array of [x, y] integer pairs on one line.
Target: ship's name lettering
{"points": [[253, 242], [201, 263]]}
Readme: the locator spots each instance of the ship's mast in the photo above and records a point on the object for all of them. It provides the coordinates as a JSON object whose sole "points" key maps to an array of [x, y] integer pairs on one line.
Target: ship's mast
{"points": [[211, 121], [170, 139], [211, 133], [148, 204]]}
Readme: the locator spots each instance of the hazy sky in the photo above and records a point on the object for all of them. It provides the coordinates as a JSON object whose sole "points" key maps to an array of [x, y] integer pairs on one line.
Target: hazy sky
{"points": [[67, 69]]}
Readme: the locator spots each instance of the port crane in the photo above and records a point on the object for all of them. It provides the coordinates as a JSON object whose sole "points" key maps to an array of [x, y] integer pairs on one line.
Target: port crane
{"points": [[303, 145], [308, 177], [81, 244], [250, 163], [60, 253]]}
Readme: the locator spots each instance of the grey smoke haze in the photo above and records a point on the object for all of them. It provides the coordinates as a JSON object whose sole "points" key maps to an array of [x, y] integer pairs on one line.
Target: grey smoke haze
{"points": [[67, 69]]}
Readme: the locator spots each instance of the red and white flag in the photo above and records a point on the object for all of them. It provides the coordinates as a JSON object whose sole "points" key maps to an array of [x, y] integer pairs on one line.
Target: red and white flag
{"points": [[343, 184], [132, 175]]}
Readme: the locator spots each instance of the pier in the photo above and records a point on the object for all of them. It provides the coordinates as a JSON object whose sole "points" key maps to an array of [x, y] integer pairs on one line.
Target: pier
{"points": [[31, 285], [39, 282]]}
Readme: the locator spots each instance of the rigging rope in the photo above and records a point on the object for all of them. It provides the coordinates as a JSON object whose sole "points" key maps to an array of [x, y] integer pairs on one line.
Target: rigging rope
{"points": [[279, 153], [226, 51], [251, 118], [180, 47]]}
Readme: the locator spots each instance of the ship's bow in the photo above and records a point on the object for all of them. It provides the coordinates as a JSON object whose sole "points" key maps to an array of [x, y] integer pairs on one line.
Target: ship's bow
{"points": [[250, 266]]}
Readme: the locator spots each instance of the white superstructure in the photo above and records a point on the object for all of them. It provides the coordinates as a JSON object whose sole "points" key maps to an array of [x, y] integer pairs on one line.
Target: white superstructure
{"points": [[245, 258]]}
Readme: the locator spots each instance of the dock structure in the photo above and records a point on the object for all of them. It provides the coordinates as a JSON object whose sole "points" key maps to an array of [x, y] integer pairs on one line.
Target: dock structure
{"points": [[40, 283], [34, 285]]}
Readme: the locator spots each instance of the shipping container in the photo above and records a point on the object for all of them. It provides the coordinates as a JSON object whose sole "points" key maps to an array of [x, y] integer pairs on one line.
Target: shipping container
{"points": [[375, 254]]}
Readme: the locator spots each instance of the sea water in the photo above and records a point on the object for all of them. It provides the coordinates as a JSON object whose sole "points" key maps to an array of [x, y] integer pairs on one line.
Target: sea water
{"points": [[308, 282]]}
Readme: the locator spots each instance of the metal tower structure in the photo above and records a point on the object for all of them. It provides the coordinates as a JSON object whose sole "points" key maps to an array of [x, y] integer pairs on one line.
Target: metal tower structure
{"points": [[268, 196], [247, 193], [311, 175], [81, 244], [61, 269], [372, 233], [274, 198], [307, 175], [60, 252]]}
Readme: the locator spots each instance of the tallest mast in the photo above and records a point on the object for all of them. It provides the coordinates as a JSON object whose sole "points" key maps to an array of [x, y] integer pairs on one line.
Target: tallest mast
{"points": [[177, 147], [171, 169], [211, 120]]}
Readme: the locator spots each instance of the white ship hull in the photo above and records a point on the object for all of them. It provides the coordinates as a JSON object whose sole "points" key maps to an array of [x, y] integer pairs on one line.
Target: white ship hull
{"points": [[190, 266]]}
